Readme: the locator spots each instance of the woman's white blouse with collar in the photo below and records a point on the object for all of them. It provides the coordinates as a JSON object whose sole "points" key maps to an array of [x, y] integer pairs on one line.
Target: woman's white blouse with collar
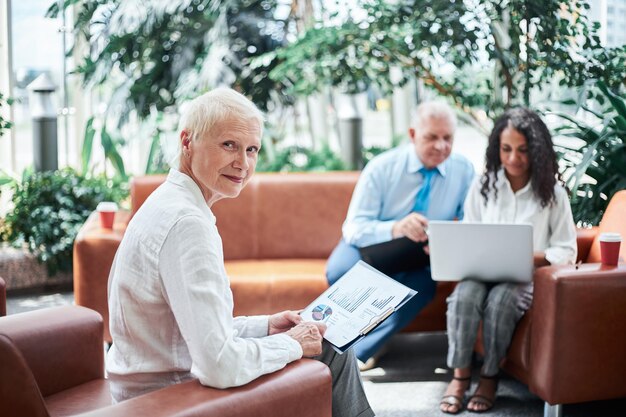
{"points": [[554, 231], [170, 303]]}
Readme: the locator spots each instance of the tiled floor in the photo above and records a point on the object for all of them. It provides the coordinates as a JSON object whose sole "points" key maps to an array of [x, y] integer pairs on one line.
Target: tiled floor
{"points": [[411, 377]]}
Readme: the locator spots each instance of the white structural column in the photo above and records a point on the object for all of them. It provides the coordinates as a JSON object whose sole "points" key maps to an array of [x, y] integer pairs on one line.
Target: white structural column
{"points": [[318, 119], [7, 141], [403, 102]]}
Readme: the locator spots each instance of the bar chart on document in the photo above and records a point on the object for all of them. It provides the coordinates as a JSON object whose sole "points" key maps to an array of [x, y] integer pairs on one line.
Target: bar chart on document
{"points": [[351, 300], [381, 304]]}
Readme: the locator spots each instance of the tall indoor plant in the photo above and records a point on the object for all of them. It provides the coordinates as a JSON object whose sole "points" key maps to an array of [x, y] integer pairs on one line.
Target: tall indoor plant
{"points": [[596, 161]]}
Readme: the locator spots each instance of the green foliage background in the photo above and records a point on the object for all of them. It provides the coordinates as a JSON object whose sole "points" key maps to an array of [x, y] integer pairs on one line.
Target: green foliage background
{"points": [[596, 162], [482, 55], [49, 209]]}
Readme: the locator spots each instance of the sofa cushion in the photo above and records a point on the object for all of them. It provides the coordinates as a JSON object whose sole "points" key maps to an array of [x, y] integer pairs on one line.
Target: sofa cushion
{"points": [[280, 216], [141, 187], [269, 286], [268, 220]]}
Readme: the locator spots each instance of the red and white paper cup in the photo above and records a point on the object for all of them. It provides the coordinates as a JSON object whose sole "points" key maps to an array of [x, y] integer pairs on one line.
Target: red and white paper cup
{"points": [[107, 210], [609, 248]]}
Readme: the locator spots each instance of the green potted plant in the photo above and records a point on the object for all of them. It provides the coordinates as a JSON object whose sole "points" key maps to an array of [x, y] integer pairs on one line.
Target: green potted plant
{"points": [[297, 158], [49, 209]]}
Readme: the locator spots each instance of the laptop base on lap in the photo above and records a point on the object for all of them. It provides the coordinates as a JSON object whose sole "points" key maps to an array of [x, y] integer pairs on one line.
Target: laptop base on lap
{"points": [[482, 251]]}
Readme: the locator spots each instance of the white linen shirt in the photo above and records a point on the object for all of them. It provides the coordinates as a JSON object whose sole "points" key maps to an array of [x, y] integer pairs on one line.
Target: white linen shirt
{"points": [[170, 303], [553, 226]]}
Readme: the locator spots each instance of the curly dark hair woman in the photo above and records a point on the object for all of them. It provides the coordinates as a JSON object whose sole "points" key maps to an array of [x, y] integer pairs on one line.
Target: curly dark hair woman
{"points": [[543, 167], [520, 153]]}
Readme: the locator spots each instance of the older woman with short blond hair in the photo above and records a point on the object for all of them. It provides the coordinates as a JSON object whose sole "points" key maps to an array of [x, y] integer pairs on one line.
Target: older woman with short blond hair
{"points": [[170, 301]]}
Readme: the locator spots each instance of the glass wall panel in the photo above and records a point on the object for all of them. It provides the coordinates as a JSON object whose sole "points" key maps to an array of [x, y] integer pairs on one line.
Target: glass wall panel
{"points": [[37, 48]]}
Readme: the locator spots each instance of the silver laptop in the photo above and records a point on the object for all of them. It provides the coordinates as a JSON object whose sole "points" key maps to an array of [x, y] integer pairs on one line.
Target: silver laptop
{"points": [[482, 251]]}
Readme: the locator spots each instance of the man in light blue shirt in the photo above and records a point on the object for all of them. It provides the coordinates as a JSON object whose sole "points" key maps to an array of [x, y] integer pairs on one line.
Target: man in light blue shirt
{"points": [[397, 192]]}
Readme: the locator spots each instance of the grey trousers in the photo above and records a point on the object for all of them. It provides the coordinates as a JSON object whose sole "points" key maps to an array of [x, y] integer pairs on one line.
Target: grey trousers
{"points": [[349, 399], [500, 306]]}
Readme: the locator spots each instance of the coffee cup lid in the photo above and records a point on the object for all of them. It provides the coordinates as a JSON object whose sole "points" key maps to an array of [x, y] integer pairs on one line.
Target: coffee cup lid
{"points": [[610, 237], [107, 206]]}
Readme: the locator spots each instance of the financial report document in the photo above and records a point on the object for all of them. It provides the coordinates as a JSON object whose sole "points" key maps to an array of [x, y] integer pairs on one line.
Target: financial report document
{"points": [[356, 304]]}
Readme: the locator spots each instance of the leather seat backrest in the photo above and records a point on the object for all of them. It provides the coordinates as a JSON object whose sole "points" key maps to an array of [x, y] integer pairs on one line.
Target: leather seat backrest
{"points": [[613, 220], [141, 187], [301, 214], [294, 215], [19, 394]]}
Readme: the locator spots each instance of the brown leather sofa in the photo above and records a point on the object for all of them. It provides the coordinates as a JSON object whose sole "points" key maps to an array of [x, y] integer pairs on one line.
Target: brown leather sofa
{"points": [[277, 236], [52, 364]]}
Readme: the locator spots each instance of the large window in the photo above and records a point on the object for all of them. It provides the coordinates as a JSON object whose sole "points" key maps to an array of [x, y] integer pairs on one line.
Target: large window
{"points": [[36, 44]]}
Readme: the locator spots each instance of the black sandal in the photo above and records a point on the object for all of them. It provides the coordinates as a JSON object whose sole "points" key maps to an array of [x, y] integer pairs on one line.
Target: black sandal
{"points": [[481, 399], [454, 400]]}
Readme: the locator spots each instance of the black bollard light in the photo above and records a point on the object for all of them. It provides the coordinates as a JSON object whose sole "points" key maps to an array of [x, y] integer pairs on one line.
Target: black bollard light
{"points": [[351, 132], [44, 116]]}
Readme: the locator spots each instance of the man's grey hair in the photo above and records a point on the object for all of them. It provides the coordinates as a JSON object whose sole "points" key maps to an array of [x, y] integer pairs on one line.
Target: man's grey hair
{"points": [[434, 109], [201, 114]]}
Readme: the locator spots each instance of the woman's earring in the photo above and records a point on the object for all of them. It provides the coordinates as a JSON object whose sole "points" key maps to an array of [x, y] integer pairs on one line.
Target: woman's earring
{"points": [[186, 145]]}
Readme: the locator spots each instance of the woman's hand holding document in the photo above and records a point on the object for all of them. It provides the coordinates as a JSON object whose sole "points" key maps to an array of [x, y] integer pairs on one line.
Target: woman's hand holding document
{"points": [[362, 299]]}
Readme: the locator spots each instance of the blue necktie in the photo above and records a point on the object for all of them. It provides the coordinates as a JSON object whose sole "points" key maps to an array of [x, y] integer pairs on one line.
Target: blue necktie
{"points": [[423, 195]]}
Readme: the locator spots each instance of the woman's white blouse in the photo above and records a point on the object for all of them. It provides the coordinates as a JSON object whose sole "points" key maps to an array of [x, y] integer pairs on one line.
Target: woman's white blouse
{"points": [[170, 303], [553, 226]]}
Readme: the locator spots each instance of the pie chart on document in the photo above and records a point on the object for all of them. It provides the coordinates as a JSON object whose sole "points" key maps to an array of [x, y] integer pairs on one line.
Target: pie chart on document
{"points": [[321, 312]]}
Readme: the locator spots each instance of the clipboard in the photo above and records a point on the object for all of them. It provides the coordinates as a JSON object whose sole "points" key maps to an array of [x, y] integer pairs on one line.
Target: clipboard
{"points": [[396, 255], [356, 304], [367, 329]]}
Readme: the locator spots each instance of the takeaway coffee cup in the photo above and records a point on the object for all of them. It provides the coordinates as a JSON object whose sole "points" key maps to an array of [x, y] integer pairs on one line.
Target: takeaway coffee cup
{"points": [[609, 248], [107, 211]]}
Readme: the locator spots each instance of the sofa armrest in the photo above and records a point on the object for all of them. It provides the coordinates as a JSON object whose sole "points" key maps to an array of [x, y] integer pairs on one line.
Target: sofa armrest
{"points": [[62, 345], [578, 335], [94, 250], [19, 394], [584, 240], [302, 389]]}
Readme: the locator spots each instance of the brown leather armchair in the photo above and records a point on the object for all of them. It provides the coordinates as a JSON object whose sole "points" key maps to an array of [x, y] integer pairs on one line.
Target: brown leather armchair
{"points": [[52, 364], [3, 298]]}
